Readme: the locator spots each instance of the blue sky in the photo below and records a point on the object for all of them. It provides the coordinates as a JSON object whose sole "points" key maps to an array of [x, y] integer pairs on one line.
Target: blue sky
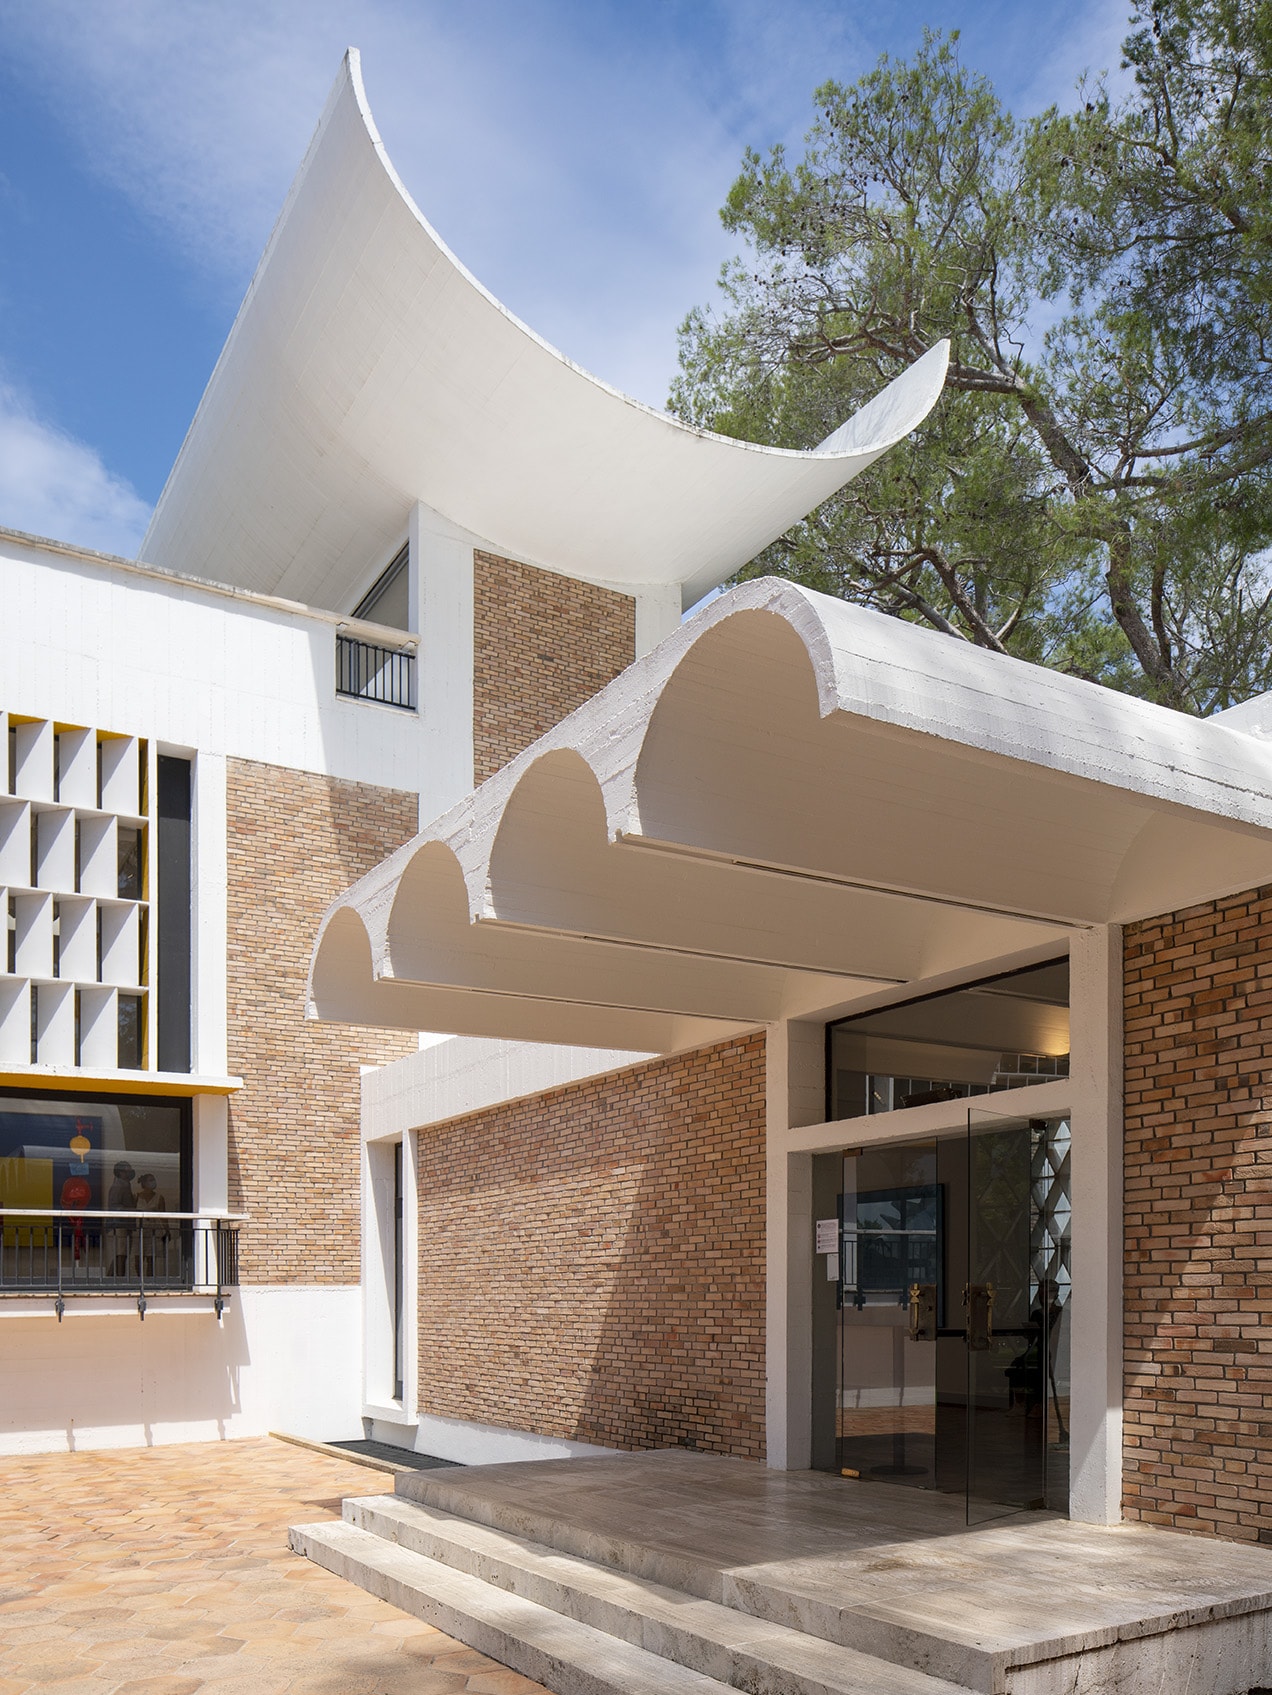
{"points": [[573, 153]]}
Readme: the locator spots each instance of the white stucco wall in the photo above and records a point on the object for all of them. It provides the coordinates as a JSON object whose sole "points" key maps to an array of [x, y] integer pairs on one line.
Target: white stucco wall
{"points": [[226, 674], [285, 1359]]}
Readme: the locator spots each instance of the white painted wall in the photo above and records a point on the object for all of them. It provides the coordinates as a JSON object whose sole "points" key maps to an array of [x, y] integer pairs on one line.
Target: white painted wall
{"points": [[469, 1443], [447, 1079], [463, 1074], [94, 641], [214, 674], [282, 1359]]}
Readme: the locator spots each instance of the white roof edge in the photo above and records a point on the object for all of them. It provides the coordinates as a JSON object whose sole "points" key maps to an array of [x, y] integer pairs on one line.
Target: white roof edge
{"points": [[875, 427], [387, 633], [882, 669]]}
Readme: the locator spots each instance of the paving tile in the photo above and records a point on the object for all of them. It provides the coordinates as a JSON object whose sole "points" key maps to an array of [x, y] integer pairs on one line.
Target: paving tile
{"points": [[161, 1686], [166, 1571]]}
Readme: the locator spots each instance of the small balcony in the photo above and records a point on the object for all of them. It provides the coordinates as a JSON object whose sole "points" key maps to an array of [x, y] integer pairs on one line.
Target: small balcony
{"points": [[131, 1255], [368, 670]]}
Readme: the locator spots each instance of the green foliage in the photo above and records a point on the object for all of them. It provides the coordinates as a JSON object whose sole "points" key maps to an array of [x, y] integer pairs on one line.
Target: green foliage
{"points": [[1094, 490]]}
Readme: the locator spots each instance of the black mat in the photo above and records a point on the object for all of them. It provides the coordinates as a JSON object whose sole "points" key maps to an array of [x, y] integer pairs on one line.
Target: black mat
{"points": [[400, 1456]]}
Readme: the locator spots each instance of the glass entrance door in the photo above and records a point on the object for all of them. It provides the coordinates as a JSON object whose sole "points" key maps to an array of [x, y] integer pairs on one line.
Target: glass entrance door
{"points": [[1017, 1300], [891, 1242], [953, 1315]]}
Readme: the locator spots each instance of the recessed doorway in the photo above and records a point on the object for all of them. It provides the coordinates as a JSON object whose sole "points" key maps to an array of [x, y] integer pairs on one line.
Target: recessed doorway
{"points": [[951, 1315]]}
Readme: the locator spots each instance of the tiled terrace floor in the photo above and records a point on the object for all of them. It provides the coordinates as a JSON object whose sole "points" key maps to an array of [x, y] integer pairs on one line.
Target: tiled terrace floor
{"points": [[165, 1571]]}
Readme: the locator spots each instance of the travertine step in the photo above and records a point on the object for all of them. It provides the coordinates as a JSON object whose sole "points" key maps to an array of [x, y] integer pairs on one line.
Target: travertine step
{"points": [[832, 1617], [559, 1652], [1032, 1606], [718, 1645]]}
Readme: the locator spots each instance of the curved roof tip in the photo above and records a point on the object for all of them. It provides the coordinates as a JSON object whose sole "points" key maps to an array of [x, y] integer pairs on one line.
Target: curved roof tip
{"points": [[369, 370], [878, 425]]}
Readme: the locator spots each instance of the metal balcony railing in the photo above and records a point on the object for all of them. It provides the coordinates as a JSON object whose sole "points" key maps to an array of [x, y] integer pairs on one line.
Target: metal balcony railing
{"points": [[61, 1253], [366, 671]]}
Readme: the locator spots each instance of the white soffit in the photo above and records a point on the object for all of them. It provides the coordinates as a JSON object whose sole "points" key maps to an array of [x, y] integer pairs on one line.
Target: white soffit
{"points": [[368, 370], [788, 805]]}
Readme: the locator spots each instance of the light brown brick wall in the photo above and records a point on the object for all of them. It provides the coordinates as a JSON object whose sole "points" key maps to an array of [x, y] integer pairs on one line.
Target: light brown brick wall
{"points": [[295, 841], [1198, 1421], [592, 1259], [542, 645]]}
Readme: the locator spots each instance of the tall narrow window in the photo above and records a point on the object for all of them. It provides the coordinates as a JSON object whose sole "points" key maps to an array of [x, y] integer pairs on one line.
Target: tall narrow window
{"points": [[399, 1278], [173, 917], [174, 914]]}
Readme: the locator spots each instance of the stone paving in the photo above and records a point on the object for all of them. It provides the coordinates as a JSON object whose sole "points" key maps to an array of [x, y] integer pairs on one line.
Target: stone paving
{"points": [[166, 1571]]}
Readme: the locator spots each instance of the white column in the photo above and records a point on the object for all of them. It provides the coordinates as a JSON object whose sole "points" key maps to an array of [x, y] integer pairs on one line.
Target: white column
{"points": [[657, 613], [442, 563], [209, 894], [211, 1153], [1095, 1437], [795, 1080]]}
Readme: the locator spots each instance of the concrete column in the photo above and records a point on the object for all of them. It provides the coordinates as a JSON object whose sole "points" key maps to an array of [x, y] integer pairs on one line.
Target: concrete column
{"points": [[209, 868], [657, 613], [1095, 1487], [442, 565], [211, 1153], [795, 1075]]}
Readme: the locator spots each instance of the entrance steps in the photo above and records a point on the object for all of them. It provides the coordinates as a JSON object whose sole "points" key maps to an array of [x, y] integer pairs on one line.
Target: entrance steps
{"points": [[577, 1626], [673, 1573]]}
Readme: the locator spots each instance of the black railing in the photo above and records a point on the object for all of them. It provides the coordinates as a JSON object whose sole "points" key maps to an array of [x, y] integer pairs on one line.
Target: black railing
{"points": [[63, 1253], [367, 672]]}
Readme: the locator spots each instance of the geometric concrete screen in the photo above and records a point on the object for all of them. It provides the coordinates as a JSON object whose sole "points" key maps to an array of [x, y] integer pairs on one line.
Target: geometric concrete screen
{"points": [[73, 887]]}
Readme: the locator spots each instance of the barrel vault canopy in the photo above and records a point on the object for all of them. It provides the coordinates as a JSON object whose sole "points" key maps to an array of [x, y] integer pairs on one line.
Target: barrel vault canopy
{"points": [[790, 805], [368, 371]]}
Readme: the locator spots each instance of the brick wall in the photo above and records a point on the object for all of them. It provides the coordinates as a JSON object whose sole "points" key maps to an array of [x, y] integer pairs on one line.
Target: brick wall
{"points": [[1198, 1420], [592, 1259], [295, 841], [542, 645]]}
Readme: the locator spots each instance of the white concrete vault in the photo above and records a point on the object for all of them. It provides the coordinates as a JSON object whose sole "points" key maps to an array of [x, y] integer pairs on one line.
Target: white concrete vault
{"points": [[368, 372], [789, 807]]}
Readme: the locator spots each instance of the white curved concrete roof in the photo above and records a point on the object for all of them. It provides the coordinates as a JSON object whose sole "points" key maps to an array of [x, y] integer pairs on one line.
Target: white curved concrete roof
{"points": [[790, 804], [368, 370]]}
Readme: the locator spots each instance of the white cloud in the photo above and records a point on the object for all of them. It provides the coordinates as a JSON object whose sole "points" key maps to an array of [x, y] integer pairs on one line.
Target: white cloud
{"points": [[52, 485]]}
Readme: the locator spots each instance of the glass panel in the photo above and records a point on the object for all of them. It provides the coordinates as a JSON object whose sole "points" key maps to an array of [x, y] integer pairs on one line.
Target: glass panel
{"points": [[129, 849], [1015, 1312], [399, 1276], [136, 1162], [387, 601], [1004, 1033], [131, 1050], [1051, 1288], [890, 1246]]}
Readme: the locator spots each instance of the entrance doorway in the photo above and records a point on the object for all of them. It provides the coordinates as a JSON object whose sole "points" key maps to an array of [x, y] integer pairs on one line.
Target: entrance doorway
{"points": [[951, 1330]]}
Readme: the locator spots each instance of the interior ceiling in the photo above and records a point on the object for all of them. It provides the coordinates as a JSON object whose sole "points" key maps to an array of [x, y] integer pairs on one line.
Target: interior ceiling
{"points": [[789, 807]]}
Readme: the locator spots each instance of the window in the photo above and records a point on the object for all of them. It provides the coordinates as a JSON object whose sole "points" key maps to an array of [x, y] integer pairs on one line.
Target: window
{"points": [[1003, 1033], [174, 913], [388, 600], [129, 1138]]}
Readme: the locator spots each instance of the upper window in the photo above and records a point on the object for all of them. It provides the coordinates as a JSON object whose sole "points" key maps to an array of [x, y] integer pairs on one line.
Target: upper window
{"points": [[388, 600], [1002, 1033]]}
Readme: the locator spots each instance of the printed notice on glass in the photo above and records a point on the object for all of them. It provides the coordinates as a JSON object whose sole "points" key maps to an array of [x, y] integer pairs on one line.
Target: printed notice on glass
{"points": [[827, 1236]]}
